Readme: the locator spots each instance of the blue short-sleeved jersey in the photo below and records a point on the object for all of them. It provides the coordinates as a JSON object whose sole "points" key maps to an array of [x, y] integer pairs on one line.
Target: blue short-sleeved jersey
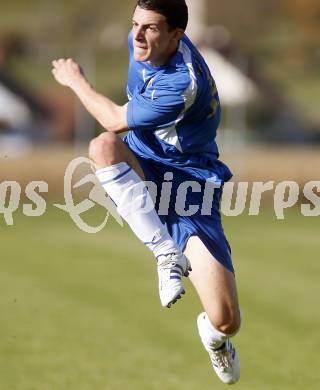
{"points": [[174, 112]]}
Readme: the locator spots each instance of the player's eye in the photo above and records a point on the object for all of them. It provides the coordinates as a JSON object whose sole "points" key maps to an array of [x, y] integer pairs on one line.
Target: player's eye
{"points": [[153, 28]]}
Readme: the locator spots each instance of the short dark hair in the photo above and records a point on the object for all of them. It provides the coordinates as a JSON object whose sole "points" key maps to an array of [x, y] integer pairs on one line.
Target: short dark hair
{"points": [[175, 11]]}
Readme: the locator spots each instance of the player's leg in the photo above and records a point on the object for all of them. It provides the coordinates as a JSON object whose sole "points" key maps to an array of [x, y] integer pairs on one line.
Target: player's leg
{"points": [[215, 285], [217, 291], [108, 149], [120, 174]]}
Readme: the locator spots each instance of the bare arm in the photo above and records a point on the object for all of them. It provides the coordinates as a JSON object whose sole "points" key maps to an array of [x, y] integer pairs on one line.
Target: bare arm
{"points": [[111, 116]]}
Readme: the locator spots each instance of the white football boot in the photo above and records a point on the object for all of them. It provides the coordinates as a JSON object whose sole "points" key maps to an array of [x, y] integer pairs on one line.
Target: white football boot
{"points": [[171, 268], [224, 359]]}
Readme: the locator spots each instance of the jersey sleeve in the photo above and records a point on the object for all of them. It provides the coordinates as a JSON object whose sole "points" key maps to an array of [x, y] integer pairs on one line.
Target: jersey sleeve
{"points": [[158, 107]]}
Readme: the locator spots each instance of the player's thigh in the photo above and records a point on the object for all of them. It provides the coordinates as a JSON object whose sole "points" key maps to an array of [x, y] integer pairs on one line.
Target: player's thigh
{"points": [[215, 285], [133, 162], [109, 149]]}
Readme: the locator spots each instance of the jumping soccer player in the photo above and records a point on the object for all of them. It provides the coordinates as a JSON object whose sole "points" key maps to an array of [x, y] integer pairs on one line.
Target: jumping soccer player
{"points": [[172, 117]]}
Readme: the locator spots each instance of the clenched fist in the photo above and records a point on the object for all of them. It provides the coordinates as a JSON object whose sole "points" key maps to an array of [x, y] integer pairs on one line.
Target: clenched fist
{"points": [[67, 72]]}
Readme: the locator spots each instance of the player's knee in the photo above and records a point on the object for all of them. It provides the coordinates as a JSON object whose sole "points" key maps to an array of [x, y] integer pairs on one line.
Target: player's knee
{"points": [[103, 150], [227, 322]]}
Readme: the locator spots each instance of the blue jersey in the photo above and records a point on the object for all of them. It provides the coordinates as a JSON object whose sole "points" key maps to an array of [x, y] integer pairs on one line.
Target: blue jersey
{"points": [[174, 112]]}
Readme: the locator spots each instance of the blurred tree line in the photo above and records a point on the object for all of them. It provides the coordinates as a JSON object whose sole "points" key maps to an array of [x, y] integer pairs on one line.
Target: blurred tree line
{"points": [[279, 38], [282, 39]]}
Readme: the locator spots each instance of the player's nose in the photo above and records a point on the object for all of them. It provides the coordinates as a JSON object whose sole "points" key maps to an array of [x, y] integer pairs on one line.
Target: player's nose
{"points": [[138, 33]]}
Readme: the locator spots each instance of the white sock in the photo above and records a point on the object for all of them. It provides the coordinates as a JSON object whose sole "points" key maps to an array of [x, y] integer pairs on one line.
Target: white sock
{"points": [[136, 207], [210, 336]]}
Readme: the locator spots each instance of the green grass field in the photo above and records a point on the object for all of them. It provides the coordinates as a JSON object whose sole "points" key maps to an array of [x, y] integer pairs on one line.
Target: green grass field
{"points": [[81, 312]]}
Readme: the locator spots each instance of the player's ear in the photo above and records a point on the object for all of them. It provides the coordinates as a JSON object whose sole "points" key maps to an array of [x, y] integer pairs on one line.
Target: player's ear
{"points": [[178, 34]]}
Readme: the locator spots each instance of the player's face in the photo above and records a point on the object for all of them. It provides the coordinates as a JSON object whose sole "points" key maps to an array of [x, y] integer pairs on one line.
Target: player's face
{"points": [[152, 40]]}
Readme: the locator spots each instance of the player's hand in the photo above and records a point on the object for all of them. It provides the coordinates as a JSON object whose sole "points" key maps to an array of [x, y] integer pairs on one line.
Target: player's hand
{"points": [[67, 72]]}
